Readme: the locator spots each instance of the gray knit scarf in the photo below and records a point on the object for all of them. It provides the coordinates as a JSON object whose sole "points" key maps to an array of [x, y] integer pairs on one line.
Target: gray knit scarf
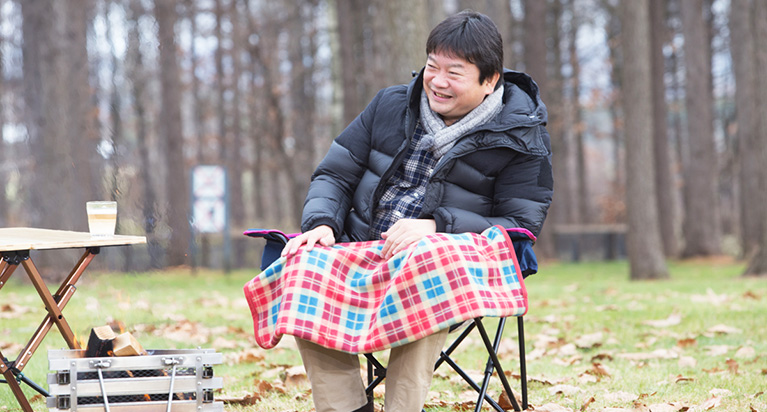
{"points": [[440, 138]]}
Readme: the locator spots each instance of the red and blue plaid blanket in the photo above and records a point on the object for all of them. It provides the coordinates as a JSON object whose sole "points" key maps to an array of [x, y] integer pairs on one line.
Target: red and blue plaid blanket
{"points": [[347, 297]]}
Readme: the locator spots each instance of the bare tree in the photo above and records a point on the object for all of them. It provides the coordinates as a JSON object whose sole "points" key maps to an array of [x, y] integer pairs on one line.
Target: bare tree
{"points": [[644, 243], [535, 65], [702, 229], [3, 150], [396, 53], [758, 264], [139, 93], [664, 175], [171, 132], [351, 14], [742, 43], [582, 192], [198, 120]]}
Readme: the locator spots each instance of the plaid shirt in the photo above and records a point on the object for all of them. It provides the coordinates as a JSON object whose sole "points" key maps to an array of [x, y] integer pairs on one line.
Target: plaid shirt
{"points": [[404, 193]]}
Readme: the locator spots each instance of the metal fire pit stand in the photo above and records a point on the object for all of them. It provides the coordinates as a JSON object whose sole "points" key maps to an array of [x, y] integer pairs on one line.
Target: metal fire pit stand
{"points": [[162, 381]]}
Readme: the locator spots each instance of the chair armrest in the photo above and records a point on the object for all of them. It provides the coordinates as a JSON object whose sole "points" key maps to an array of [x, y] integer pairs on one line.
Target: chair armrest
{"points": [[275, 241], [523, 241]]}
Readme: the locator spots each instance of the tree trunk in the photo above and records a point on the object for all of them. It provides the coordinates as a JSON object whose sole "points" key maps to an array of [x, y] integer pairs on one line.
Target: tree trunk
{"points": [[644, 240], [55, 203], [139, 88], [81, 125], [664, 175], [198, 121], [221, 114], [3, 174], [351, 16], [236, 164], [303, 50], [171, 132], [758, 264], [701, 221], [582, 193], [535, 65], [396, 53], [742, 46]]}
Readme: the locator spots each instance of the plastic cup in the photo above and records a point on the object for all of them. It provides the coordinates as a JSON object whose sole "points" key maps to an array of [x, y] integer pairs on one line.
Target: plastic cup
{"points": [[102, 218]]}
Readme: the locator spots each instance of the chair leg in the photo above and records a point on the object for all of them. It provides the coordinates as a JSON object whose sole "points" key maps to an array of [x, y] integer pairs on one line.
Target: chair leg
{"points": [[376, 369], [522, 361], [492, 349]]}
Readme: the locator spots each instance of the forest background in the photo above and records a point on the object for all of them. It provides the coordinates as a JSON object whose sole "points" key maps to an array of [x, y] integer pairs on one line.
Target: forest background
{"points": [[656, 113]]}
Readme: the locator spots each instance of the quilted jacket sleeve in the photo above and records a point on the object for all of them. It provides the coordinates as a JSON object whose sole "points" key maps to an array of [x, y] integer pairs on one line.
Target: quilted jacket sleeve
{"points": [[336, 178]]}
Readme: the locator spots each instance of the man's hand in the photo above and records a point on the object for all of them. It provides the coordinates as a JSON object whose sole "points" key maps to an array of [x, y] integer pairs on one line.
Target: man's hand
{"points": [[322, 234], [404, 233]]}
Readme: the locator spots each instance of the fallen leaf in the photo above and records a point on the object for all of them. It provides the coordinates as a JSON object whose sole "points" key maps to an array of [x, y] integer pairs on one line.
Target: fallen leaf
{"points": [[656, 354], [250, 399], [620, 396], [723, 329], [505, 403], [587, 403], [710, 298], [686, 343], [680, 378], [223, 343], [732, 366], [711, 403], [12, 310], [717, 350], [687, 362], [251, 355], [664, 407], [751, 295], [547, 381], [589, 341], [745, 352], [295, 378], [673, 319], [567, 390], [601, 357], [720, 393], [552, 407], [600, 370]]}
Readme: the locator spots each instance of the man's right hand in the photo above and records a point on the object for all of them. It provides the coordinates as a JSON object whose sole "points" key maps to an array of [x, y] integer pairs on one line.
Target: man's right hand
{"points": [[322, 234]]}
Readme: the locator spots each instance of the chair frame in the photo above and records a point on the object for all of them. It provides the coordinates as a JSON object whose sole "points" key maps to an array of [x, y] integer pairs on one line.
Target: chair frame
{"points": [[376, 372]]}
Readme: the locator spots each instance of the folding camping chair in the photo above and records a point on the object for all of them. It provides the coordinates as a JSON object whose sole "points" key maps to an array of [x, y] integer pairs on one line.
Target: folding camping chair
{"points": [[376, 372]]}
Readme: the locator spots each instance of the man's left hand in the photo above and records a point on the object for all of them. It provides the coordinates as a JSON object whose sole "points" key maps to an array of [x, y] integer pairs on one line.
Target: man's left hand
{"points": [[404, 233]]}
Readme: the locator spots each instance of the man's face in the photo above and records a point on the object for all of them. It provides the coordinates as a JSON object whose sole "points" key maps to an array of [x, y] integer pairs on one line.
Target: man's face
{"points": [[452, 86]]}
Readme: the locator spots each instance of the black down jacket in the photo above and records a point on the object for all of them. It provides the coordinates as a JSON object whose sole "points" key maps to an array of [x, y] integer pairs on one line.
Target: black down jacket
{"points": [[497, 174]]}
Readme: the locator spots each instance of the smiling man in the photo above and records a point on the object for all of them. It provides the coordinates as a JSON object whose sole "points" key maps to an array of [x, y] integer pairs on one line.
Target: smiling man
{"points": [[461, 148]]}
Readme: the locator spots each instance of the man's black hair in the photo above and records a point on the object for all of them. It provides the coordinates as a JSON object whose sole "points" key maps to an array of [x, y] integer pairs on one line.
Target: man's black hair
{"points": [[470, 36]]}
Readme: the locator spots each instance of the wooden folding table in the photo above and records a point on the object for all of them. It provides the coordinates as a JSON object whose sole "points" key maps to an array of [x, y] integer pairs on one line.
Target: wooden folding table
{"points": [[15, 244]]}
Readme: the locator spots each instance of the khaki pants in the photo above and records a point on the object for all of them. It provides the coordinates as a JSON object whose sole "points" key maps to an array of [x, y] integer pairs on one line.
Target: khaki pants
{"points": [[337, 384]]}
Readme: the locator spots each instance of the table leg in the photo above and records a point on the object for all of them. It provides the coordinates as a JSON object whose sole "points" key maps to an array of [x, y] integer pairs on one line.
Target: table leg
{"points": [[15, 387], [60, 300], [53, 308], [6, 270]]}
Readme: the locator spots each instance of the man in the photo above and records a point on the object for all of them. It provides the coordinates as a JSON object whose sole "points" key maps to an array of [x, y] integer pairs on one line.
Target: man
{"points": [[461, 148]]}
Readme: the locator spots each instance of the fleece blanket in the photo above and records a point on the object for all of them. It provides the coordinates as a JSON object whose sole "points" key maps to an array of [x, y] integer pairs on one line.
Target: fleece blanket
{"points": [[348, 298]]}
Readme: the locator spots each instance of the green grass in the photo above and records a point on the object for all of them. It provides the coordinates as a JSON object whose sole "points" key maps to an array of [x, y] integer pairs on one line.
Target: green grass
{"points": [[176, 309]]}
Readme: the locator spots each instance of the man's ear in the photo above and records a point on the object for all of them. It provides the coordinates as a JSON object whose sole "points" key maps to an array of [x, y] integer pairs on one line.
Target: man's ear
{"points": [[490, 83]]}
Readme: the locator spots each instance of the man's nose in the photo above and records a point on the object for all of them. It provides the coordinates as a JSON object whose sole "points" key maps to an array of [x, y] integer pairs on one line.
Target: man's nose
{"points": [[439, 80]]}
